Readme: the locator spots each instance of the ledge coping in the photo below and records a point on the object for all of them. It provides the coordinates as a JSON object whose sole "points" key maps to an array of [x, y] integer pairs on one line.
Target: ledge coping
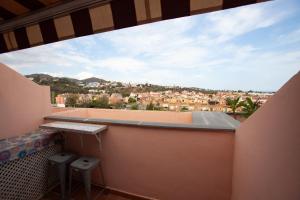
{"points": [[200, 121]]}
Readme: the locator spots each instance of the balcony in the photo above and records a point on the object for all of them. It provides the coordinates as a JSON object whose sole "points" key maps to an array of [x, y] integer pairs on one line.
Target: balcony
{"points": [[155, 154], [96, 193], [143, 154]]}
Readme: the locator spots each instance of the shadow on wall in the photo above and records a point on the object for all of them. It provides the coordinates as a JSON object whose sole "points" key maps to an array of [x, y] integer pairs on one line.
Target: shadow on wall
{"points": [[267, 149], [23, 103]]}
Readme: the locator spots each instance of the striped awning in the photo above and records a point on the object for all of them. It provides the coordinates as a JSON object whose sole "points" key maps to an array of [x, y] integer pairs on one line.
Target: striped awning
{"points": [[28, 23]]}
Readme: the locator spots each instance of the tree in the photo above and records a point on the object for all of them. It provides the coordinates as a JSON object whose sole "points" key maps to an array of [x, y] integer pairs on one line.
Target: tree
{"points": [[213, 102], [118, 105], [234, 104], [125, 92], [131, 100], [150, 106], [119, 84], [184, 109], [71, 100], [134, 106], [102, 102], [53, 95], [249, 107]]}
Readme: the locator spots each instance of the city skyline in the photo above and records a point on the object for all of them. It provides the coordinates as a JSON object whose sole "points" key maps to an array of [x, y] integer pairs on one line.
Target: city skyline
{"points": [[248, 48]]}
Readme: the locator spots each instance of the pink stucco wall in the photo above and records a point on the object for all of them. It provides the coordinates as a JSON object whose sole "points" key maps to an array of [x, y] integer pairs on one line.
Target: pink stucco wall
{"points": [[165, 164], [70, 112], [23, 104], [267, 149], [134, 115], [158, 162], [58, 109], [141, 115]]}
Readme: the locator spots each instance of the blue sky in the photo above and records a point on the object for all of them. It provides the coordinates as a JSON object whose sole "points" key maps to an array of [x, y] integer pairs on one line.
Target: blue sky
{"points": [[253, 47]]}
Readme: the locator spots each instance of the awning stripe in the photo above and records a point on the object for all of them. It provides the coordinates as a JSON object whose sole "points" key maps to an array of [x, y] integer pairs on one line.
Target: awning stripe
{"points": [[114, 14], [21, 37], [204, 6], [175, 8], [140, 10], [102, 19], [123, 12], [155, 10], [34, 35], [10, 40], [82, 22], [235, 3], [64, 27], [3, 47], [147, 7], [48, 31]]}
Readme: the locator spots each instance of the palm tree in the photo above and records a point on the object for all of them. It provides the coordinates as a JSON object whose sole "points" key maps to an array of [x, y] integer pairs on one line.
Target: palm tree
{"points": [[249, 107], [234, 104]]}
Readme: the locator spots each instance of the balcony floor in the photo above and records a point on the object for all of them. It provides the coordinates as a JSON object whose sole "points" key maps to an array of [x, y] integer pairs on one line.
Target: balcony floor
{"points": [[78, 193]]}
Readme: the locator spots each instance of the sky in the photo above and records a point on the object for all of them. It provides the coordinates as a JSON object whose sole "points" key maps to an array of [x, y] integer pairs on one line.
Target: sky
{"points": [[254, 47]]}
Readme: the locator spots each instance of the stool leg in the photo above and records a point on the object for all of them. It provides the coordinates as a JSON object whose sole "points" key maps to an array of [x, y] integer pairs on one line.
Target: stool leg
{"points": [[87, 183], [62, 178], [70, 182], [100, 171]]}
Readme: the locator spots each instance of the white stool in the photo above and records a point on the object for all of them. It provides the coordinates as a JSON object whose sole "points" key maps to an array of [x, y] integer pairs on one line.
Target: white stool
{"points": [[84, 165], [60, 161]]}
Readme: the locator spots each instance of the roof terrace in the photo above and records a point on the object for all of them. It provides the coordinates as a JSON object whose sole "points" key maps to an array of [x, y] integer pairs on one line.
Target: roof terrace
{"points": [[153, 155], [143, 154]]}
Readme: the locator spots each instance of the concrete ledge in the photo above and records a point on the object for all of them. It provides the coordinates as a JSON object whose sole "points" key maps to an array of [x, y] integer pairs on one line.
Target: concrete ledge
{"points": [[214, 119], [193, 126]]}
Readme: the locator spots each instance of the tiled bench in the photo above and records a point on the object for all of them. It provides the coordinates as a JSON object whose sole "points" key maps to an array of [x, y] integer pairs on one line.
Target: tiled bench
{"points": [[20, 147], [24, 167]]}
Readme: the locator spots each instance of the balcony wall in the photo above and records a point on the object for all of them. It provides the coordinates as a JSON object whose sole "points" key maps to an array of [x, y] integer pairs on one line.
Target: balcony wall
{"points": [[133, 115], [267, 149], [70, 112], [140, 115], [163, 163], [60, 109], [23, 104], [158, 162]]}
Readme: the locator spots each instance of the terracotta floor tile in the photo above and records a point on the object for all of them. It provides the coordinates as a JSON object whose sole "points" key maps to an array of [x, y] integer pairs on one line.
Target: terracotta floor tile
{"points": [[78, 193]]}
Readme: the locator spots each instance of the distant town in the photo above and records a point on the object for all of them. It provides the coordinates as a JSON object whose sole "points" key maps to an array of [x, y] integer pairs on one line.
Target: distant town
{"points": [[99, 93]]}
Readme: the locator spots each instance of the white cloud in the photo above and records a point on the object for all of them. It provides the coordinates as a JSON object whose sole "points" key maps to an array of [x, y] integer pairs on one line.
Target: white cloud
{"points": [[191, 51], [226, 25], [290, 38], [152, 39], [122, 64], [83, 75], [54, 74], [52, 54]]}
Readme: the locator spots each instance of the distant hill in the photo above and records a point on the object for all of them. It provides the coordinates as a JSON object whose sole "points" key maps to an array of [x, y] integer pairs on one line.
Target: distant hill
{"points": [[60, 85], [46, 77], [40, 77], [93, 79]]}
